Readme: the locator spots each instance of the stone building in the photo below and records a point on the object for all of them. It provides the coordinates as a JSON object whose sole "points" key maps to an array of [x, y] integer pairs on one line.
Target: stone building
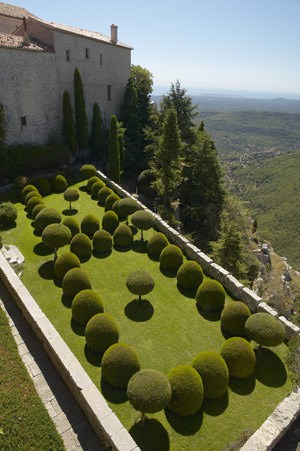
{"points": [[37, 60]]}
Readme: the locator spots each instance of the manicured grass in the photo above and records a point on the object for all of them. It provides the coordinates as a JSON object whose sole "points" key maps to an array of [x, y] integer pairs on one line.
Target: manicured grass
{"points": [[24, 421], [168, 331]]}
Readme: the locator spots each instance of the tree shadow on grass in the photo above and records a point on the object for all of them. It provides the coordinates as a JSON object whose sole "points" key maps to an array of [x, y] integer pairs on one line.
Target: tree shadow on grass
{"points": [[67, 302], [112, 394], [122, 248], [101, 255], [153, 258], [151, 436], [46, 270], [188, 293], [94, 358], [68, 212], [78, 329], [215, 407], [37, 233], [82, 188], [171, 273], [42, 250], [185, 425], [139, 311], [269, 369], [210, 316], [140, 246], [242, 387]]}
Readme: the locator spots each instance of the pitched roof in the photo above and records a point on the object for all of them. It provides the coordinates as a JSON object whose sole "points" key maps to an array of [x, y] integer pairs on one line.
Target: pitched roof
{"points": [[14, 11], [16, 42]]}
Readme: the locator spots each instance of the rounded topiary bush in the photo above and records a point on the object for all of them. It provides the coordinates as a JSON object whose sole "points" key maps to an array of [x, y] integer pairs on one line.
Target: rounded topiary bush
{"points": [[189, 275], [110, 221], [126, 207], [187, 390], [45, 217], [90, 183], [43, 185], [210, 296], [156, 243], [234, 316], [142, 220], [103, 193], [171, 258], [239, 357], [122, 236], [75, 280], [32, 202], [59, 183], [8, 214], [89, 225], [101, 332], [81, 246], [95, 188], [64, 263], [72, 224], [71, 195], [32, 194], [27, 189], [110, 200], [214, 373], [36, 209], [265, 329], [102, 241], [119, 363], [144, 183], [85, 305], [140, 283], [55, 236], [149, 391], [87, 171]]}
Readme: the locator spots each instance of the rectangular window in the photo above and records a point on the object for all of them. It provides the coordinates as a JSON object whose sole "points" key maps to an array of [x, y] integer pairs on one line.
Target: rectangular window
{"points": [[68, 55], [87, 54], [108, 92], [23, 121], [101, 59]]}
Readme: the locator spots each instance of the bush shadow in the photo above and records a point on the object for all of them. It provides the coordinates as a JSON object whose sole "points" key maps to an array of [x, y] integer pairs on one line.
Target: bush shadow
{"points": [[112, 394], [101, 255], [188, 293], [42, 250], [215, 407], [150, 436], [122, 248], [57, 282], [78, 329], [94, 358], [242, 387], [140, 246], [82, 188], [171, 273], [209, 316], [139, 310], [67, 302], [184, 425], [134, 230], [46, 270], [68, 212], [37, 232], [269, 369], [153, 258]]}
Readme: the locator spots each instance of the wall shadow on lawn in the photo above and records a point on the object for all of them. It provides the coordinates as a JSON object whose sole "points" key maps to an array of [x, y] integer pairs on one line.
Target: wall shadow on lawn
{"points": [[151, 436], [46, 270], [215, 407], [112, 394], [139, 310], [242, 387], [269, 369], [185, 425]]}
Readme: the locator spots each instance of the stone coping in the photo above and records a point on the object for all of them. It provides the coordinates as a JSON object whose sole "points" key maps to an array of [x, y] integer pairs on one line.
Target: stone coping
{"points": [[103, 420]]}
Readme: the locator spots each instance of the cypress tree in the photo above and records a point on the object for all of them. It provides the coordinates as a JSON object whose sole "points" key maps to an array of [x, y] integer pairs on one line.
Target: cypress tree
{"points": [[80, 112], [121, 152], [96, 133], [69, 132], [114, 155]]}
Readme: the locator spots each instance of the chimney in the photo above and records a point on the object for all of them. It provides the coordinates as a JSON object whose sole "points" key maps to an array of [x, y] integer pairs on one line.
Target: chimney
{"points": [[114, 34]]}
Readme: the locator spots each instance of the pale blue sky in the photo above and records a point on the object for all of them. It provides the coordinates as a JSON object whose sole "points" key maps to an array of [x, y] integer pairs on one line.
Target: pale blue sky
{"points": [[213, 44]]}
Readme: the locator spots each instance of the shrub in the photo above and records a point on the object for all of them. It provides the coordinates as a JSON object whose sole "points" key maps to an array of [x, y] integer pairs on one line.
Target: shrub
{"points": [[43, 185], [187, 390], [119, 363], [95, 188], [189, 275], [85, 305], [89, 225], [239, 357], [32, 202], [30, 195], [149, 391], [87, 171], [102, 241], [36, 209], [140, 282], [45, 217], [143, 220], [122, 236], [27, 189], [75, 280], [8, 214], [90, 183], [126, 207], [110, 221], [101, 332], [103, 193], [21, 181], [214, 373], [56, 236], [71, 195], [59, 184], [64, 263], [72, 224], [265, 329], [157, 242], [234, 316], [171, 258], [81, 246], [110, 200], [144, 181], [116, 209], [210, 296]]}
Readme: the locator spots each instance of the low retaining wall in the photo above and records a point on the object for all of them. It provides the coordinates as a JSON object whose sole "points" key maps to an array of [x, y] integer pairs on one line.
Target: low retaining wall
{"points": [[105, 423]]}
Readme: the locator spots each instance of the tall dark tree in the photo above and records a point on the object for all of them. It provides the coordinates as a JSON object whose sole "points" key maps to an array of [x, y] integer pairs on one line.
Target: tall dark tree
{"points": [[69, 132], [80, 112], [114, 155], [121, 152], [96, 133], [2, 128]]}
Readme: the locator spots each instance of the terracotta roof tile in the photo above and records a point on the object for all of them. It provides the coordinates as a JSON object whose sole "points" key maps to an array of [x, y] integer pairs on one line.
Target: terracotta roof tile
{"points": [[12, 41]]}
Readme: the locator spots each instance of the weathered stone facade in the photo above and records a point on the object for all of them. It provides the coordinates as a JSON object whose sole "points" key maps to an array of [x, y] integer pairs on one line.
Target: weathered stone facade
{"points": [[37, 61]]}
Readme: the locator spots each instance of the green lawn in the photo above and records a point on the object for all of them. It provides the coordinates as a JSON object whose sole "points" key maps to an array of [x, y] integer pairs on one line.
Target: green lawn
{"points": [[168, 332]]}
